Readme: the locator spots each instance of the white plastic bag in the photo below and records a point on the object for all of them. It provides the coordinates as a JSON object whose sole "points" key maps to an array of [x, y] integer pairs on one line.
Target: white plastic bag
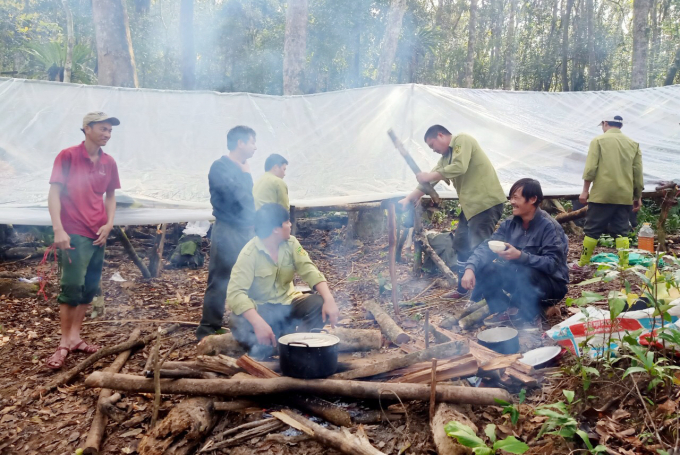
{"points": [[197, 228]]}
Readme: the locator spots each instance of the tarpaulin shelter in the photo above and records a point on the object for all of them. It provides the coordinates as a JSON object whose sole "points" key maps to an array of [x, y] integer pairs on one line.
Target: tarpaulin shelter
{"points": [[336, 143]]}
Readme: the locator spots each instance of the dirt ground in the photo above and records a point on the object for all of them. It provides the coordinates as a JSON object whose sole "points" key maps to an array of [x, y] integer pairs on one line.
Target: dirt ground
{"points": [[58, 422]]}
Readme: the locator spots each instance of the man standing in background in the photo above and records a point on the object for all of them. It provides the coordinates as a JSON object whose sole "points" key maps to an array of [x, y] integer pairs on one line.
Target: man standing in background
{"points": [[231, 195], [614, 167], [270, 188], [82, 221]]}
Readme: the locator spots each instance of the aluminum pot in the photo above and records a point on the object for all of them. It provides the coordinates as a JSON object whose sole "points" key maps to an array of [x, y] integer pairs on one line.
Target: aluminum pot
{"points": [[308, 355], [504, 340]]}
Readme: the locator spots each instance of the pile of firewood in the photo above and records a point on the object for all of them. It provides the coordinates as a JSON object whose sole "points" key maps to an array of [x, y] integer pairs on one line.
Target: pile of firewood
{"points": [[221, 378]]}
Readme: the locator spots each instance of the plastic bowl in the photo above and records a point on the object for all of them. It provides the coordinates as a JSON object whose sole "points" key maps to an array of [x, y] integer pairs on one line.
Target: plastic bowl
{"points": [[497, 246]]}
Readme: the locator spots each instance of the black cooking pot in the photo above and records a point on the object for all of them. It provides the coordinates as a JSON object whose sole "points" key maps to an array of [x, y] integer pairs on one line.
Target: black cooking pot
{"points": [[504, 340], [308, 355]]}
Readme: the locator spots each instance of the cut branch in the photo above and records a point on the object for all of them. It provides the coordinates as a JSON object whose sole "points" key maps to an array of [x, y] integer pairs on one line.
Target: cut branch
{"points": [[390, 328]]}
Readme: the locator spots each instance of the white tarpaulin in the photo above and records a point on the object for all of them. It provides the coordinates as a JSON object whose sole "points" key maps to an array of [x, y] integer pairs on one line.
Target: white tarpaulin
{"points": [[336, 143]]}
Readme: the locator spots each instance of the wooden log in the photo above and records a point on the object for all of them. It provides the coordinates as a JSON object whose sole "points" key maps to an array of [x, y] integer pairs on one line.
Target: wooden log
{"points": [[182, 430], [11, 287], [498, 363], [474, 318], [23, 252], [255, 369], [109, 409], [235, 405], [343, 441], [244, 432], [327, 387], [392, 240], [67, 376], [390, 328], [98, 427], [441, 265], [218, 364], [571, 216], [445, 444], [375, 416], [417, 245], [429, 189], [572, 227], [220, 344], [178, 373], [461, 367], [354, 340], [130, 250], [440, 351], [156, 257], [433, 388]]}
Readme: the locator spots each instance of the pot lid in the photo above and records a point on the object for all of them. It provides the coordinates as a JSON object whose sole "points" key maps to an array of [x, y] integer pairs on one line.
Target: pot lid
{"points": [[497, 335], [314, 340]]}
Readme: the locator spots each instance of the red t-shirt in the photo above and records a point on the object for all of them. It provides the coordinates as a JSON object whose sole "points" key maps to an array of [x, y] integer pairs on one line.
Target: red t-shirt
{"points": [[84, 184]]}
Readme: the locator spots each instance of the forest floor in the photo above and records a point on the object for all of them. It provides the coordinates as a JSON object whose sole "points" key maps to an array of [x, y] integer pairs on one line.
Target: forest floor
{"points": [[58, 422]]}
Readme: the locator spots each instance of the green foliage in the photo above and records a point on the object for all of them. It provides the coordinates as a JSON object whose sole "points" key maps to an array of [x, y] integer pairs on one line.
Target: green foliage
{"points": [[467, 437], [51, 58], [561, 423], [509, 408], [646, 361]]}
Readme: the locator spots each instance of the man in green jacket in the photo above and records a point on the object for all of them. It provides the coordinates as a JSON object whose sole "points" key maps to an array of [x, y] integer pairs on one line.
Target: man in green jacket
{"points": [[261, 295], [481, 196], [271, 187], [614, 168]]}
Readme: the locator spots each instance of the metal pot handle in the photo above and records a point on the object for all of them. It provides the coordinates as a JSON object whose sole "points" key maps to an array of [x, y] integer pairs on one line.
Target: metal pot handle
{"points": [[319, 331], [298, 342]]}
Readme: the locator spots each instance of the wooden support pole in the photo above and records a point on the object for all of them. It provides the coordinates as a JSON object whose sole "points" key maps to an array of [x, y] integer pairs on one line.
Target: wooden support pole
{"points": [[293, 221], [156, 258], [429, 189], [96, 433], [417, 246], [130, 250], [392, 237], [433, 389], [427, 329], [328, 387], [441, 265], [390, 328], [352, 219]]}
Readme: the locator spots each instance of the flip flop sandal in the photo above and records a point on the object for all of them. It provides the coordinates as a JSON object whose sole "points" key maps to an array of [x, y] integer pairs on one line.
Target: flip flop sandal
{"points": [[57, 360], [84, 347]]}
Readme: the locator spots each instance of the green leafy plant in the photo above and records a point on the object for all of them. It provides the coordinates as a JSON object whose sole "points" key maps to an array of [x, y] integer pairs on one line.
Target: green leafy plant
{"points": [[509, 408], [646, 361], [561, 423], [467, 437], [51, 57]]}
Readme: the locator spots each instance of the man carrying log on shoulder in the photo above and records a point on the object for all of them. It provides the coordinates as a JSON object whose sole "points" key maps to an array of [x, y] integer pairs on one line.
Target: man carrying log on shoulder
{"points": [[231, 195], [532, 268], [481, 196], [614, 167], [271, 187], [82, 220], [261, 294]]}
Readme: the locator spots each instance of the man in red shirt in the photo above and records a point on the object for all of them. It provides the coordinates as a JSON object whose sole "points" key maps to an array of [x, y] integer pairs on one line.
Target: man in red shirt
{"points": [[82, 221]]}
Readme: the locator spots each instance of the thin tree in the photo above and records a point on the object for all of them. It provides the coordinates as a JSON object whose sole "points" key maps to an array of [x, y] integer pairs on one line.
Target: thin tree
{"points": [[70, 42], [186, 31], [640, 43], [294, 46], [470, 59], [591, 45], [673, 69], [115, 57], [566, 14], [510, 51], [388, 48]]}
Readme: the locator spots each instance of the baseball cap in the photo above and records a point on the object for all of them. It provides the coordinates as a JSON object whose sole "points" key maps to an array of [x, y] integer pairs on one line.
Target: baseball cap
{"points": [[95, 117], [614, 118]]}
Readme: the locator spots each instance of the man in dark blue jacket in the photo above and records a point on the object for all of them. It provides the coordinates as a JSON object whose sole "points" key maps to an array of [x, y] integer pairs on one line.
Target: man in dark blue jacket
{"points": [[532, 269], [231, 195]]}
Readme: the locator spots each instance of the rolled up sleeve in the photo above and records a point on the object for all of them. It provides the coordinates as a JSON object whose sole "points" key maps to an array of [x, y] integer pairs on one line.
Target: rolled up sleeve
{"points": [[242, 277], [305, 267]]}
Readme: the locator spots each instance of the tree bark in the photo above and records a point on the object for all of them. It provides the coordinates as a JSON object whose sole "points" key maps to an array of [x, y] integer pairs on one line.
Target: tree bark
{"points": [[98, 427], [186, 31], [673, 69], [444, 443], [387, 325], [510, 51], [470, 59], [591, 45], [182, 430], [254, 387], [115, 57], [388, 48], [156, 257], [640, 44], [566, 15], [130, 250], [294, 46], [497, 38], [70, 41]]}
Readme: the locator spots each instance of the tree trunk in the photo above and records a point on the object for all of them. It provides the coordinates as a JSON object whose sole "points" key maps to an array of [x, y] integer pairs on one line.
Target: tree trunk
{"points": [[673, 70], [591, 46], [510, 51], [655, 45], [70, 41], [186, 31], [388, 48], [295, 46], [496, 38], [470, 60], [640, 43], [115, 57], [566, 14]]}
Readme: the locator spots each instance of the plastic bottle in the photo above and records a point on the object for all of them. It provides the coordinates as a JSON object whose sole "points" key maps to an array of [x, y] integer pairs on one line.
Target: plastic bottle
{"points": [[646, 238]]}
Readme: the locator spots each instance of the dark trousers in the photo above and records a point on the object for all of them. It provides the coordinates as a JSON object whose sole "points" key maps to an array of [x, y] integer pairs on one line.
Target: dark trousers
{"points": [[632, 217], [303, 315], [608, 218], [226, 243], [470, 233], [529, 288]]}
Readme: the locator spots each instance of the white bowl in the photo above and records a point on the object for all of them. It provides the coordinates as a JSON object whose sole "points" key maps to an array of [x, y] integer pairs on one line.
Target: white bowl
{"points": [[496, 246]]}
